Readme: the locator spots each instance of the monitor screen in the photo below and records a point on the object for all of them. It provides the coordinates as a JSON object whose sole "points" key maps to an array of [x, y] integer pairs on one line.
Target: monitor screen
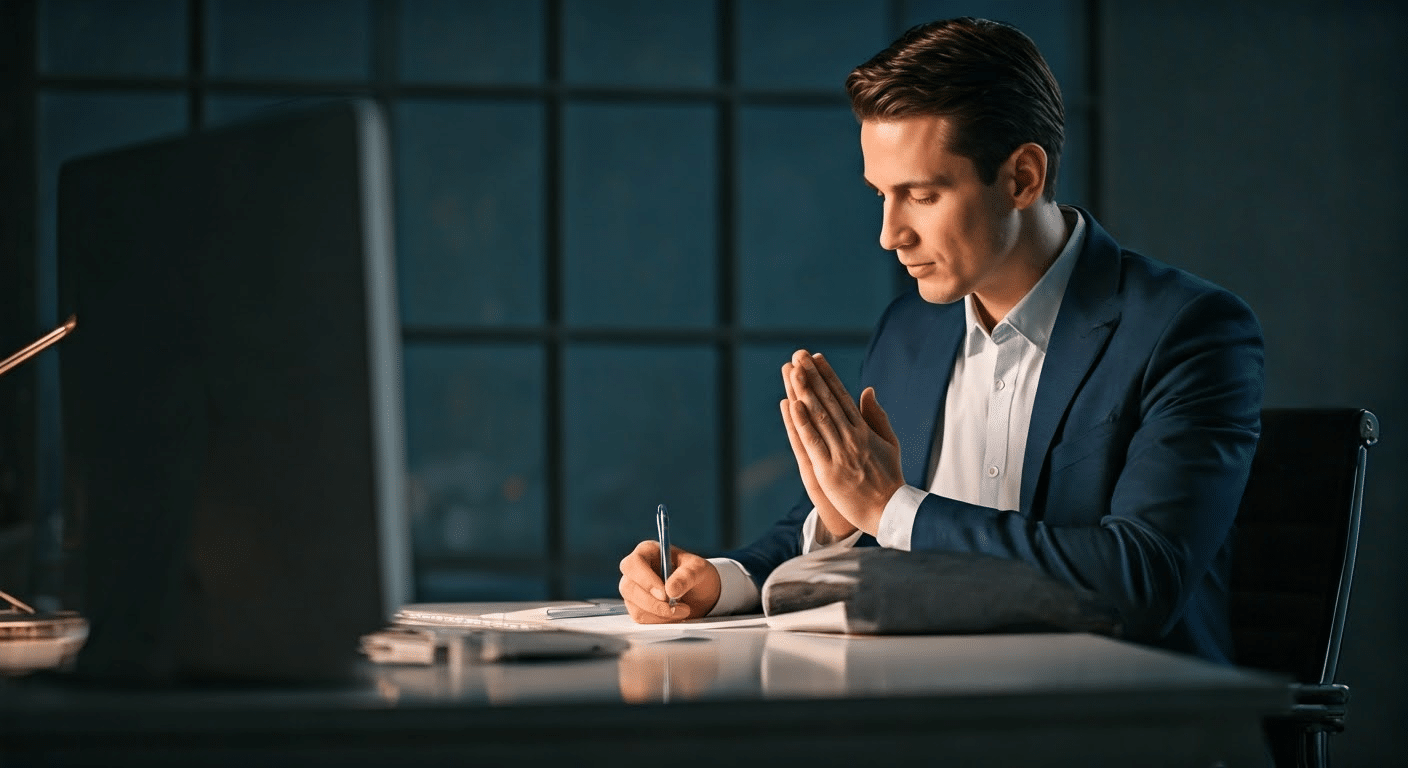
{"points": [[233, 441]]}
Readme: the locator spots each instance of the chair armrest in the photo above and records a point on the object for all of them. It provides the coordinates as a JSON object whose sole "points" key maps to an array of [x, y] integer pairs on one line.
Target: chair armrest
{"points": [[1319, 706]]}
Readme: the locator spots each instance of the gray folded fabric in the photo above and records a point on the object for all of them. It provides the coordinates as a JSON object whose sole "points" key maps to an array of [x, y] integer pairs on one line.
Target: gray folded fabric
{"points": [[890, 591]]}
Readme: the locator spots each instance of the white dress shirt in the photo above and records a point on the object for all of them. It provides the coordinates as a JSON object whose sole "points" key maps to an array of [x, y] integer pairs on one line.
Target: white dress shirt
{"points": [[987, 411]]}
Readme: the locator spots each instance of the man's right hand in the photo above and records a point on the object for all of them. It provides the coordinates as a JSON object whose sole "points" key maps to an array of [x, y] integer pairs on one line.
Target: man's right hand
{"points": [[831, 518], [694, 583]]}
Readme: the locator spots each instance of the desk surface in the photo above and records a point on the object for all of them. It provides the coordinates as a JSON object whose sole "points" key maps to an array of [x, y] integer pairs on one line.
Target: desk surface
{"points": [[743, 695]]}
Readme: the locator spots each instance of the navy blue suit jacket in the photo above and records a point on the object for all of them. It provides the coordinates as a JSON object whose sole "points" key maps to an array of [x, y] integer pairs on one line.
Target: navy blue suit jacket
{"points": [[1142, 433]]}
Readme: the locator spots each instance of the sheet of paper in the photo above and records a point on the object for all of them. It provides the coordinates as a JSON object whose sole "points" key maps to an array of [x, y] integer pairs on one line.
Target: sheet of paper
{"points": [[823, 618], [470, 615], [623, 624]]}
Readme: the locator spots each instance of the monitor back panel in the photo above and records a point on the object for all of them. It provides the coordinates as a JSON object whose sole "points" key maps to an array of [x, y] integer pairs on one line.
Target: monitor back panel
{"points": [[232, 469]]}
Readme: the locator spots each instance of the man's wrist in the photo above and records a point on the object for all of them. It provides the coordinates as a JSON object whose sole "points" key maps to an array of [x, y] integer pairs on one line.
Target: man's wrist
{"points": [[815, 535], [873, 514], [897, 522]]}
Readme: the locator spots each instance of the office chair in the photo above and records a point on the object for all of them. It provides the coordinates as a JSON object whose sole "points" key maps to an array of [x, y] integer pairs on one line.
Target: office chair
{"points": [[1293, 561]]}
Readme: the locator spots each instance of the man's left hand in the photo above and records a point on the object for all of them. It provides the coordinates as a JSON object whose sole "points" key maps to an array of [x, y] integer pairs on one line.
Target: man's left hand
{"points": [[853, 451]]}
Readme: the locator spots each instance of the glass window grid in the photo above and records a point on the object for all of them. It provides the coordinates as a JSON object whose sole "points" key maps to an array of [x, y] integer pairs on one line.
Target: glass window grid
{"points": [[729, 340]]}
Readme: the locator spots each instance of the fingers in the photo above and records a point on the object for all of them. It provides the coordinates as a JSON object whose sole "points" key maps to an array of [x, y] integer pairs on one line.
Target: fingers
{"points": [[837, 389], [804, 461], [642, 589], [876, 417], [695, 582], [814, 375], [823, 414], [815, 425], [815, 438]]}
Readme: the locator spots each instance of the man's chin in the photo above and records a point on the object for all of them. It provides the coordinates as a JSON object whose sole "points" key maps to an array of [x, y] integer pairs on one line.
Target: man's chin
{"points": [[938, 294]]}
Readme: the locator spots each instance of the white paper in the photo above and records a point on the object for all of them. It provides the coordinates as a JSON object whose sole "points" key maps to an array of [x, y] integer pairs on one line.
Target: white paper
{"points": [[825, 618], [476, 615]]}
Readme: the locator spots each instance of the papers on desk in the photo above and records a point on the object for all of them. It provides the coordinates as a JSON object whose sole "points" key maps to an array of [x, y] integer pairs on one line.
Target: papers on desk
{"points": [[825, 618], [610, 621], [623, 624], [878, 591], [424, 645], [497, 615]]}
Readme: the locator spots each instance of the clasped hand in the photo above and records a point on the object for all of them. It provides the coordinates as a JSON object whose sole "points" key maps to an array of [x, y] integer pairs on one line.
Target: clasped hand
{"points": [[848, 456], [849, 460]]}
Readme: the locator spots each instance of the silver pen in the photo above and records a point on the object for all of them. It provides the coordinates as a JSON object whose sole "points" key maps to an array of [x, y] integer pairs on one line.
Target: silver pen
{"points": [[662, 525]]}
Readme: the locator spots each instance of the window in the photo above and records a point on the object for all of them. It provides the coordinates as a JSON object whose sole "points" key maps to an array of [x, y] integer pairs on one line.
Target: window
{"points": [[615, 220]]}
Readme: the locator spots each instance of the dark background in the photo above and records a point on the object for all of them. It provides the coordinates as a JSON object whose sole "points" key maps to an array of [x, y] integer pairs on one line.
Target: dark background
{"points": [[669, 196]]}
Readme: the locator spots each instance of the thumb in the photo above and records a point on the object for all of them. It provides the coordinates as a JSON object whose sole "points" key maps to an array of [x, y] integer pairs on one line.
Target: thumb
{"points": [[874, 416]]}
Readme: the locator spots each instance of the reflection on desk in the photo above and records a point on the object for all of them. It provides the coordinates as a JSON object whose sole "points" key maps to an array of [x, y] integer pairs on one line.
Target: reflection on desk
{"points": [[744, 695]]}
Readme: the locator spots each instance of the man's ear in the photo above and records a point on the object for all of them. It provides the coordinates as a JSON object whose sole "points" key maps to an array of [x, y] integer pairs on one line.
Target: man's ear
{"points": [[1026, 167]]}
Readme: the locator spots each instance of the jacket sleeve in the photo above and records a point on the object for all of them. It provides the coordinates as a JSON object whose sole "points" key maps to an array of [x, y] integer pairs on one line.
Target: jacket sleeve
{"points": [[1136, 510], [781, 542]]}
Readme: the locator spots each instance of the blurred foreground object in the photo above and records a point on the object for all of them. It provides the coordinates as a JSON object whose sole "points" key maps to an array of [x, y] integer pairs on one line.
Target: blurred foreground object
{"points": [[32, 641]]}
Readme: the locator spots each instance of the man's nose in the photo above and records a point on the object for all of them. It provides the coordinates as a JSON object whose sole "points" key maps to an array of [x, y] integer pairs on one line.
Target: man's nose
{"points": [[895, 233]]}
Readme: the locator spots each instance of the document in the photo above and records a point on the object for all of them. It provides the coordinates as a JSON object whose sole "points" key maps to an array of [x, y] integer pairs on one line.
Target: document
{"points": [[823, 618], [623, 624], [537, 617], [877, 591]]}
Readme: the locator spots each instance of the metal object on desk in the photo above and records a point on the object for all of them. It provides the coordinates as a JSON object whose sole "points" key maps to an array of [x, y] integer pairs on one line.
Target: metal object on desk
{"points": [[31, 641]]}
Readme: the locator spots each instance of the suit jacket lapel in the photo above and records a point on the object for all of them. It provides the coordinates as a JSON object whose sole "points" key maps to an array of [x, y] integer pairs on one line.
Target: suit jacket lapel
{"points": [[1090, 312], [923, 403]]}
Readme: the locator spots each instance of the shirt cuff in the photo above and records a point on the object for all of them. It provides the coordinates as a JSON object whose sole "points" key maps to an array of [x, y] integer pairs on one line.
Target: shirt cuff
{"points": [[737, 592], [897, 521], [812, 526]]}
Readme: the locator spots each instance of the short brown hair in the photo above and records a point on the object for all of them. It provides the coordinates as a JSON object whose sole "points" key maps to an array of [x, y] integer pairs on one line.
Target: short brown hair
{"points": [[985, 76]]}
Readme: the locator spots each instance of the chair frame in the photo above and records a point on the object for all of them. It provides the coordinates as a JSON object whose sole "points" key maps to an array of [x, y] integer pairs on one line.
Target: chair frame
{"points": [[1319, 708]]}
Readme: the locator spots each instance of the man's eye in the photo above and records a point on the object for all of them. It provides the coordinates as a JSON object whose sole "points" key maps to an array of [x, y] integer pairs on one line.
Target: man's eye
{"points": [[925, 200]]}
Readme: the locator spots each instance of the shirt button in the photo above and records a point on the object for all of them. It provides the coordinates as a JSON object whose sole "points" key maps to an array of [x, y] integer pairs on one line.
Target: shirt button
{"points": [[992, 471], [999, 384]]}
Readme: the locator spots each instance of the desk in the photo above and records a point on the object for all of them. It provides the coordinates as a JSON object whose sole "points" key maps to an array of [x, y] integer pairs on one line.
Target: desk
{"points": [[745, 696]]}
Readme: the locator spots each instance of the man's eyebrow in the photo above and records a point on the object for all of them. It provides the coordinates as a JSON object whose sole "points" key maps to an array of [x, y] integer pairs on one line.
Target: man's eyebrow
{"points": [[904, 186]]}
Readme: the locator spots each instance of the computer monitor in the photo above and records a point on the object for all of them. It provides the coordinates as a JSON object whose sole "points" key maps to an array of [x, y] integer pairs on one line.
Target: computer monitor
{"points": [[233, 440]]}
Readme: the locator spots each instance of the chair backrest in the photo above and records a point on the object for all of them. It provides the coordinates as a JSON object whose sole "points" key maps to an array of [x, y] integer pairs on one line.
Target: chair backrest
{"points": [[1295, 540]]}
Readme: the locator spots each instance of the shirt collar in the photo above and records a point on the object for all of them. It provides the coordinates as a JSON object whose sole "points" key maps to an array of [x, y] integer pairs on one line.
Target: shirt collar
{"points": [[1034, 316]]}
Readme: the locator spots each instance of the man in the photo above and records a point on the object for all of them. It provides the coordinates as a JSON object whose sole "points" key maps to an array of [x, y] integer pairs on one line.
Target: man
{"points": [[1047, 396]]}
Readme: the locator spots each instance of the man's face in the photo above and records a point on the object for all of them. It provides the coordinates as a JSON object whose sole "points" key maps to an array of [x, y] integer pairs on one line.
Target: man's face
{"points": [[953, 233]]}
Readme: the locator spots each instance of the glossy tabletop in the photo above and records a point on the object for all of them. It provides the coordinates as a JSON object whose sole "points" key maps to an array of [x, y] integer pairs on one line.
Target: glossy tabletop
{"points": [[741, 695]]}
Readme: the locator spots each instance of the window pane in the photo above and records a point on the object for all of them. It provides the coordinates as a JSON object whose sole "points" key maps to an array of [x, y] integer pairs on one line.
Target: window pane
{"points": [[464, 41], [598, 581], [1073, 175], [314, 39], [76, 123], [638, 42], [768, 483], [469, 212], [641, 431], [640, 216], [808, 227], [474, 450], [112, 37], [807, 43], [223, 108], [448, 583]]}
